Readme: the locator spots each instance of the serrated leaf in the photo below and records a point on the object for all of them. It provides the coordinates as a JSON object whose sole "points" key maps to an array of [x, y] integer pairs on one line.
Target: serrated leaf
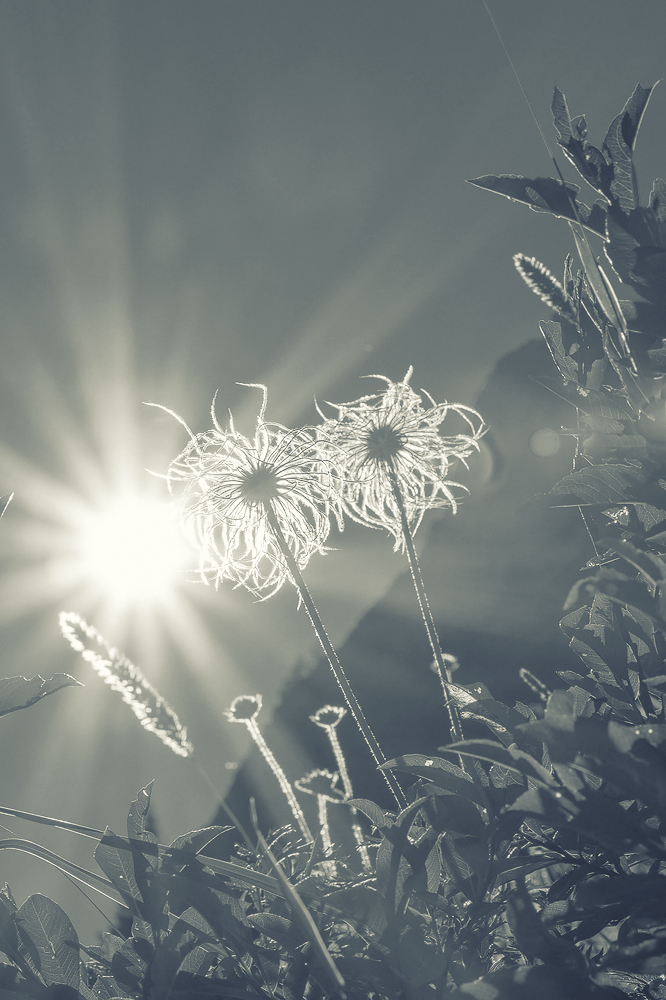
{"points": [[440, 772], [370, 809], [649, 563], [561, 116], [510, 757], [586, 158], [657, 200], [21, 692], [136, 818], [619, 143], [545, 194], [552, 334], [146, 863], [130, 963], [601, 484], [117, 863], [48, 935], [185, 849], [277, 928]]}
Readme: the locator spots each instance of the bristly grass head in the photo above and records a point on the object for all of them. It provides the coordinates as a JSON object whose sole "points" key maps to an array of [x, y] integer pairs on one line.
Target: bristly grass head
{"points": [[391, 440], [150, 708], [231, 485]]}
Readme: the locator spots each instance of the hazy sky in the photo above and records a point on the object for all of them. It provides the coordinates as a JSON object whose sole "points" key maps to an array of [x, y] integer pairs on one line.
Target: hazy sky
{"points": [[201, 193]]}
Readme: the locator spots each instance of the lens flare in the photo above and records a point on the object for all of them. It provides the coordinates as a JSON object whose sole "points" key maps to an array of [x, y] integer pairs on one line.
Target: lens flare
{"points": [[133, 549]]}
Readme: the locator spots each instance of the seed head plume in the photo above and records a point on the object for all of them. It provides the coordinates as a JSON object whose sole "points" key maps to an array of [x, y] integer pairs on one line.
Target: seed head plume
{"points": [[150, 708], [390, 442], [231, 490], [543, 284]]}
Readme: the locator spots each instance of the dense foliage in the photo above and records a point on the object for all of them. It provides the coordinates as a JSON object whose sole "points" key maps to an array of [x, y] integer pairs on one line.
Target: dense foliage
{"points": [[531, 862]]}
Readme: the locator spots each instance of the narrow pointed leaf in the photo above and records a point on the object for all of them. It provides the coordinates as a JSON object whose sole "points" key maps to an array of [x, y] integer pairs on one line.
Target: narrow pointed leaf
{"points": [[545, 194]]}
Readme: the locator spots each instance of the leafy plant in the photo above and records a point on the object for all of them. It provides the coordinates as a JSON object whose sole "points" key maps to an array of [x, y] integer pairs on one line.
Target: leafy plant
{"points": [[530, 861]]}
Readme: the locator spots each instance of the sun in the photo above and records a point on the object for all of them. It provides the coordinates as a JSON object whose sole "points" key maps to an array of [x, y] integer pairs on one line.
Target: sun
{"points": [[132, 549]]}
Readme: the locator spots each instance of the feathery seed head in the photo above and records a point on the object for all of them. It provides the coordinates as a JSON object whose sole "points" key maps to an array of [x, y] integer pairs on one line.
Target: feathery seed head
{"points": [[391, 441], [229, 487], [150, 708], [543, 283], [244, 708], [328, 716]]}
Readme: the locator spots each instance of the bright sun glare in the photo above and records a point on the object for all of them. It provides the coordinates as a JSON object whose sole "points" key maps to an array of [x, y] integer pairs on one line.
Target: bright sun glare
{"points": [[133, 549]]}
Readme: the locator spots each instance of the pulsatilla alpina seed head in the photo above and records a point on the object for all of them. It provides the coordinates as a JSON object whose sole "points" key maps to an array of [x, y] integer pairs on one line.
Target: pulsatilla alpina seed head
{"points": [[228, 487], [388, 448]]}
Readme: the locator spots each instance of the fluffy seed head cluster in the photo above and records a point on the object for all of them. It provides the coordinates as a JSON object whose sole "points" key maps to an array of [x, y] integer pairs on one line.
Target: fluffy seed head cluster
{"points": [[229, 487], [150, 708], [388, 449]]}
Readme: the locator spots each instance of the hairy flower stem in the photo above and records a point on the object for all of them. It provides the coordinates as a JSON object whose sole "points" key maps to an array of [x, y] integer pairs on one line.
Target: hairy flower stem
{"points": [[426, 613], [324, 829], [349, 793], [283, 782], [332, 658]]}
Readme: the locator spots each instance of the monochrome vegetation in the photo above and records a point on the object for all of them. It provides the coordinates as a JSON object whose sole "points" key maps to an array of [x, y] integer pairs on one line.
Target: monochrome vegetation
{"points": [[529, 862]]}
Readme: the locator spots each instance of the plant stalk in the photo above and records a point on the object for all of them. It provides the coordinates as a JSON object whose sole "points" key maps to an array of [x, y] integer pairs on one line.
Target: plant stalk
{"points": [[332, 658], [282, 779], [349, 794], [426, 613]]}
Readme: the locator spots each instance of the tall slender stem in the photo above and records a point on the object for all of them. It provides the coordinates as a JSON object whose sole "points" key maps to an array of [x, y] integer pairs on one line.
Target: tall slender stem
{"points": [[332, 657], [282, 779], [426, 613], [349, 793]]}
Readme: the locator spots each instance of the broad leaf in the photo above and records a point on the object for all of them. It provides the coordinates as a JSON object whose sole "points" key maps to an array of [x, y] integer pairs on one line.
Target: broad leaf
{"points": [[370, 809], [441, 772], [545, 194], [48, 935], [599, 484], [146, 864], [619, 143], [21, 692], [510, 757], [118, 864], [560, 349], [547, 982]]}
